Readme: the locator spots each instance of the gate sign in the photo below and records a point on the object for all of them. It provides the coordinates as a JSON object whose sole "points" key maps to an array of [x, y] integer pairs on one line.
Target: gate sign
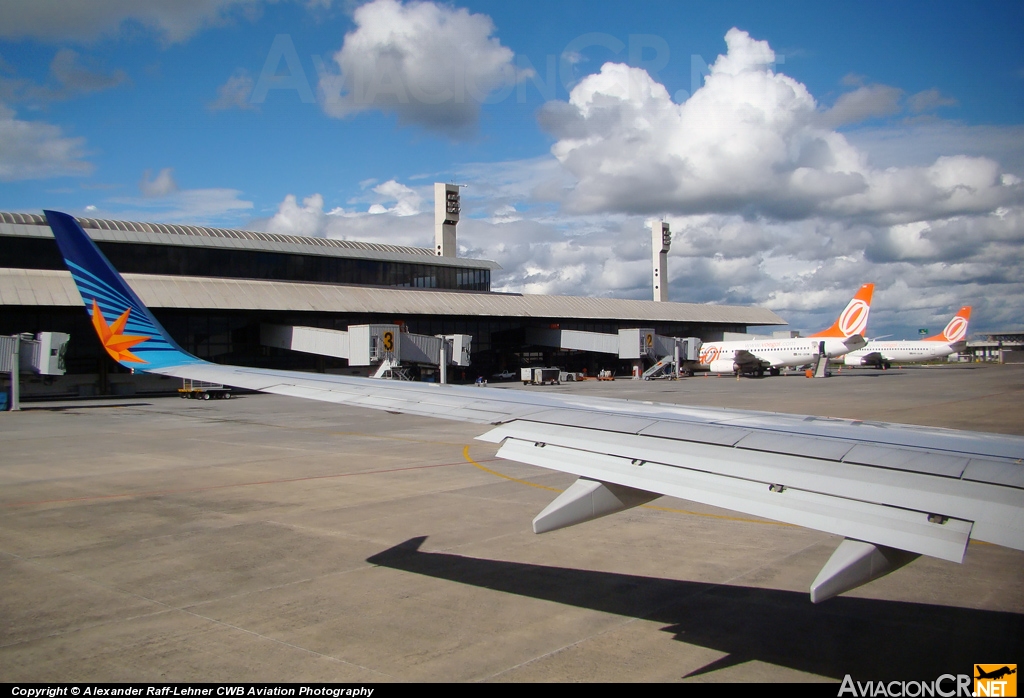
{"points": [[389, 341]]}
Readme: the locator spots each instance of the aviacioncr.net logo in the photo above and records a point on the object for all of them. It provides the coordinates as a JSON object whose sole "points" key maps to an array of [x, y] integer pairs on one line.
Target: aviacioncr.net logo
{"points": [[855, 318], [946, 686]]}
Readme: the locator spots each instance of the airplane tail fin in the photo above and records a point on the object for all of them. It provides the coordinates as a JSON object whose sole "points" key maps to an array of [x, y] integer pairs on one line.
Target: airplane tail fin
{"points": [[854, 319], [126, 328], [956, 330]]}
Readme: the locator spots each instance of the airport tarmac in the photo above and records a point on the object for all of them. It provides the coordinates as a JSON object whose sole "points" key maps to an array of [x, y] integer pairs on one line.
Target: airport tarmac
{"points": [[266, 538]]}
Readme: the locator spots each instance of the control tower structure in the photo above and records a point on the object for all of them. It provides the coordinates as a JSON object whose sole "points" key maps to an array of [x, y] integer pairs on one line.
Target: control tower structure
{"points": [[446, 217]]}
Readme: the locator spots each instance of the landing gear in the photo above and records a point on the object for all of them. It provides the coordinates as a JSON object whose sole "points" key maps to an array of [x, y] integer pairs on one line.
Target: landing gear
{"points": [[774, 371]]}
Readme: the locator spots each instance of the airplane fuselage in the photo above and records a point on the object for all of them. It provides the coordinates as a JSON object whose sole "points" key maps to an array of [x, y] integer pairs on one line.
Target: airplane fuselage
{"points": [[882, 354], [767, 354]]}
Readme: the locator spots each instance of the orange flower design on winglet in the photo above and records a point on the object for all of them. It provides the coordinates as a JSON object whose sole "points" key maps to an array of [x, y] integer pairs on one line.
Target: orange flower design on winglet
{"points": [[116, 344]]}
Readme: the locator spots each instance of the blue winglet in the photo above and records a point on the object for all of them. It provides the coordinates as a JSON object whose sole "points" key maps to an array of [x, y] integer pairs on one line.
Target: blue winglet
{"points": [[126, 328]]}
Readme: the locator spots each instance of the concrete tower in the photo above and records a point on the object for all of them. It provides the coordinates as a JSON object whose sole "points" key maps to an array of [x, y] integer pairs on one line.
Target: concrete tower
{"points": [[446, 217], [661, 239]]}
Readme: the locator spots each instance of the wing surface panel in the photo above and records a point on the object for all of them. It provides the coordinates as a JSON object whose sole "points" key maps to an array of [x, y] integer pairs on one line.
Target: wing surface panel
{"points": [[696, 432], [907, 459], [995, 472], [796, 445]]}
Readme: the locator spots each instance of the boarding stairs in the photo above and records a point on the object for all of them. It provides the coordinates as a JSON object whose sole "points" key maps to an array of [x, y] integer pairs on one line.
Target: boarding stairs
{"points": [[391, 370], [664, 364]]}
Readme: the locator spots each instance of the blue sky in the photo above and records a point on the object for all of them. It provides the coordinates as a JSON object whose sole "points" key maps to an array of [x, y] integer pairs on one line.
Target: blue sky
{"points": [[797, 149]]}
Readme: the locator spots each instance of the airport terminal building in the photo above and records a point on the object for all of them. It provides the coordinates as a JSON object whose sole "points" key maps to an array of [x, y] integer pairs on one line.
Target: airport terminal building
{"points": [[213, 289]]}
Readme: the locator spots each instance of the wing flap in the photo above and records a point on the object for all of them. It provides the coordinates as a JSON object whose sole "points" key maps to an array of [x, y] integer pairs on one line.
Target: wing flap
{"points": [[880, 524], [942, 499]]}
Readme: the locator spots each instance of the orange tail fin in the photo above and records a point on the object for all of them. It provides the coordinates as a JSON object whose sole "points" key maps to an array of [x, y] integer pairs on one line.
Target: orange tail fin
{"points": [[956, 330], [854, 319]]}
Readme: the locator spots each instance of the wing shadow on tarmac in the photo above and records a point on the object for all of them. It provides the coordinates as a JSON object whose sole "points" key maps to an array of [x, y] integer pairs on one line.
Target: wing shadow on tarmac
{"points": [[868, 639]]}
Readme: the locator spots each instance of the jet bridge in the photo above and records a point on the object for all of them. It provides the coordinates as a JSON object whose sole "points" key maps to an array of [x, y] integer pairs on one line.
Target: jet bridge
{"points": [[43, 355], [368, 345], [637, 343]]}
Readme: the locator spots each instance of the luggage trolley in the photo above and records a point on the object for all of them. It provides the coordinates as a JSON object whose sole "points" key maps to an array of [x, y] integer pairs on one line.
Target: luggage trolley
{"points": [[201, 390]]}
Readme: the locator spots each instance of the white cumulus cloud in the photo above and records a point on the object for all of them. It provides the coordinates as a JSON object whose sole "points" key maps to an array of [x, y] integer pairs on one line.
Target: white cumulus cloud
{"points": [[407, 200], [749, 141], [431, 64], [293, 219]]}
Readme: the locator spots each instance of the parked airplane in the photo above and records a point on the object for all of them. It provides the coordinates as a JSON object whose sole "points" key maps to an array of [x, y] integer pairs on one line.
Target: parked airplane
{"points": [[884, 354], [759, 355], [894, 492]]}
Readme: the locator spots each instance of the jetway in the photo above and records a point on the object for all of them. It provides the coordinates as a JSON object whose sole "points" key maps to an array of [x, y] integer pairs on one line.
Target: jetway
{"points": [[632, 343], [635, 343], [42, 355], [368, 345]]}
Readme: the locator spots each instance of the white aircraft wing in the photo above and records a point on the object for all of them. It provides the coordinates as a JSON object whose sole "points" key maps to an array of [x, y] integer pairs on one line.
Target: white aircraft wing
{"points": [[893, 492], [888, 488]]}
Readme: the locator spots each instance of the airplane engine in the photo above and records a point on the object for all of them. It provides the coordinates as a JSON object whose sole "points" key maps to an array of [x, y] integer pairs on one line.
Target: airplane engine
{"points": [[853, 360], [722, 366]]}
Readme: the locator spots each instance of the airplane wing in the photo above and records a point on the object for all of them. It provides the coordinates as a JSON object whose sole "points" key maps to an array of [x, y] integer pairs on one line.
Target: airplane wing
{"points": [[855, 342], [747, 360], [893, 492], [873, 357]]}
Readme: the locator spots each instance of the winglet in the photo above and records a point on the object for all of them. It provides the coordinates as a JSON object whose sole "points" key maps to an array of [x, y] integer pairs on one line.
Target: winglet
{"points": [[956, 330], [854, 318], [124, 325]]}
